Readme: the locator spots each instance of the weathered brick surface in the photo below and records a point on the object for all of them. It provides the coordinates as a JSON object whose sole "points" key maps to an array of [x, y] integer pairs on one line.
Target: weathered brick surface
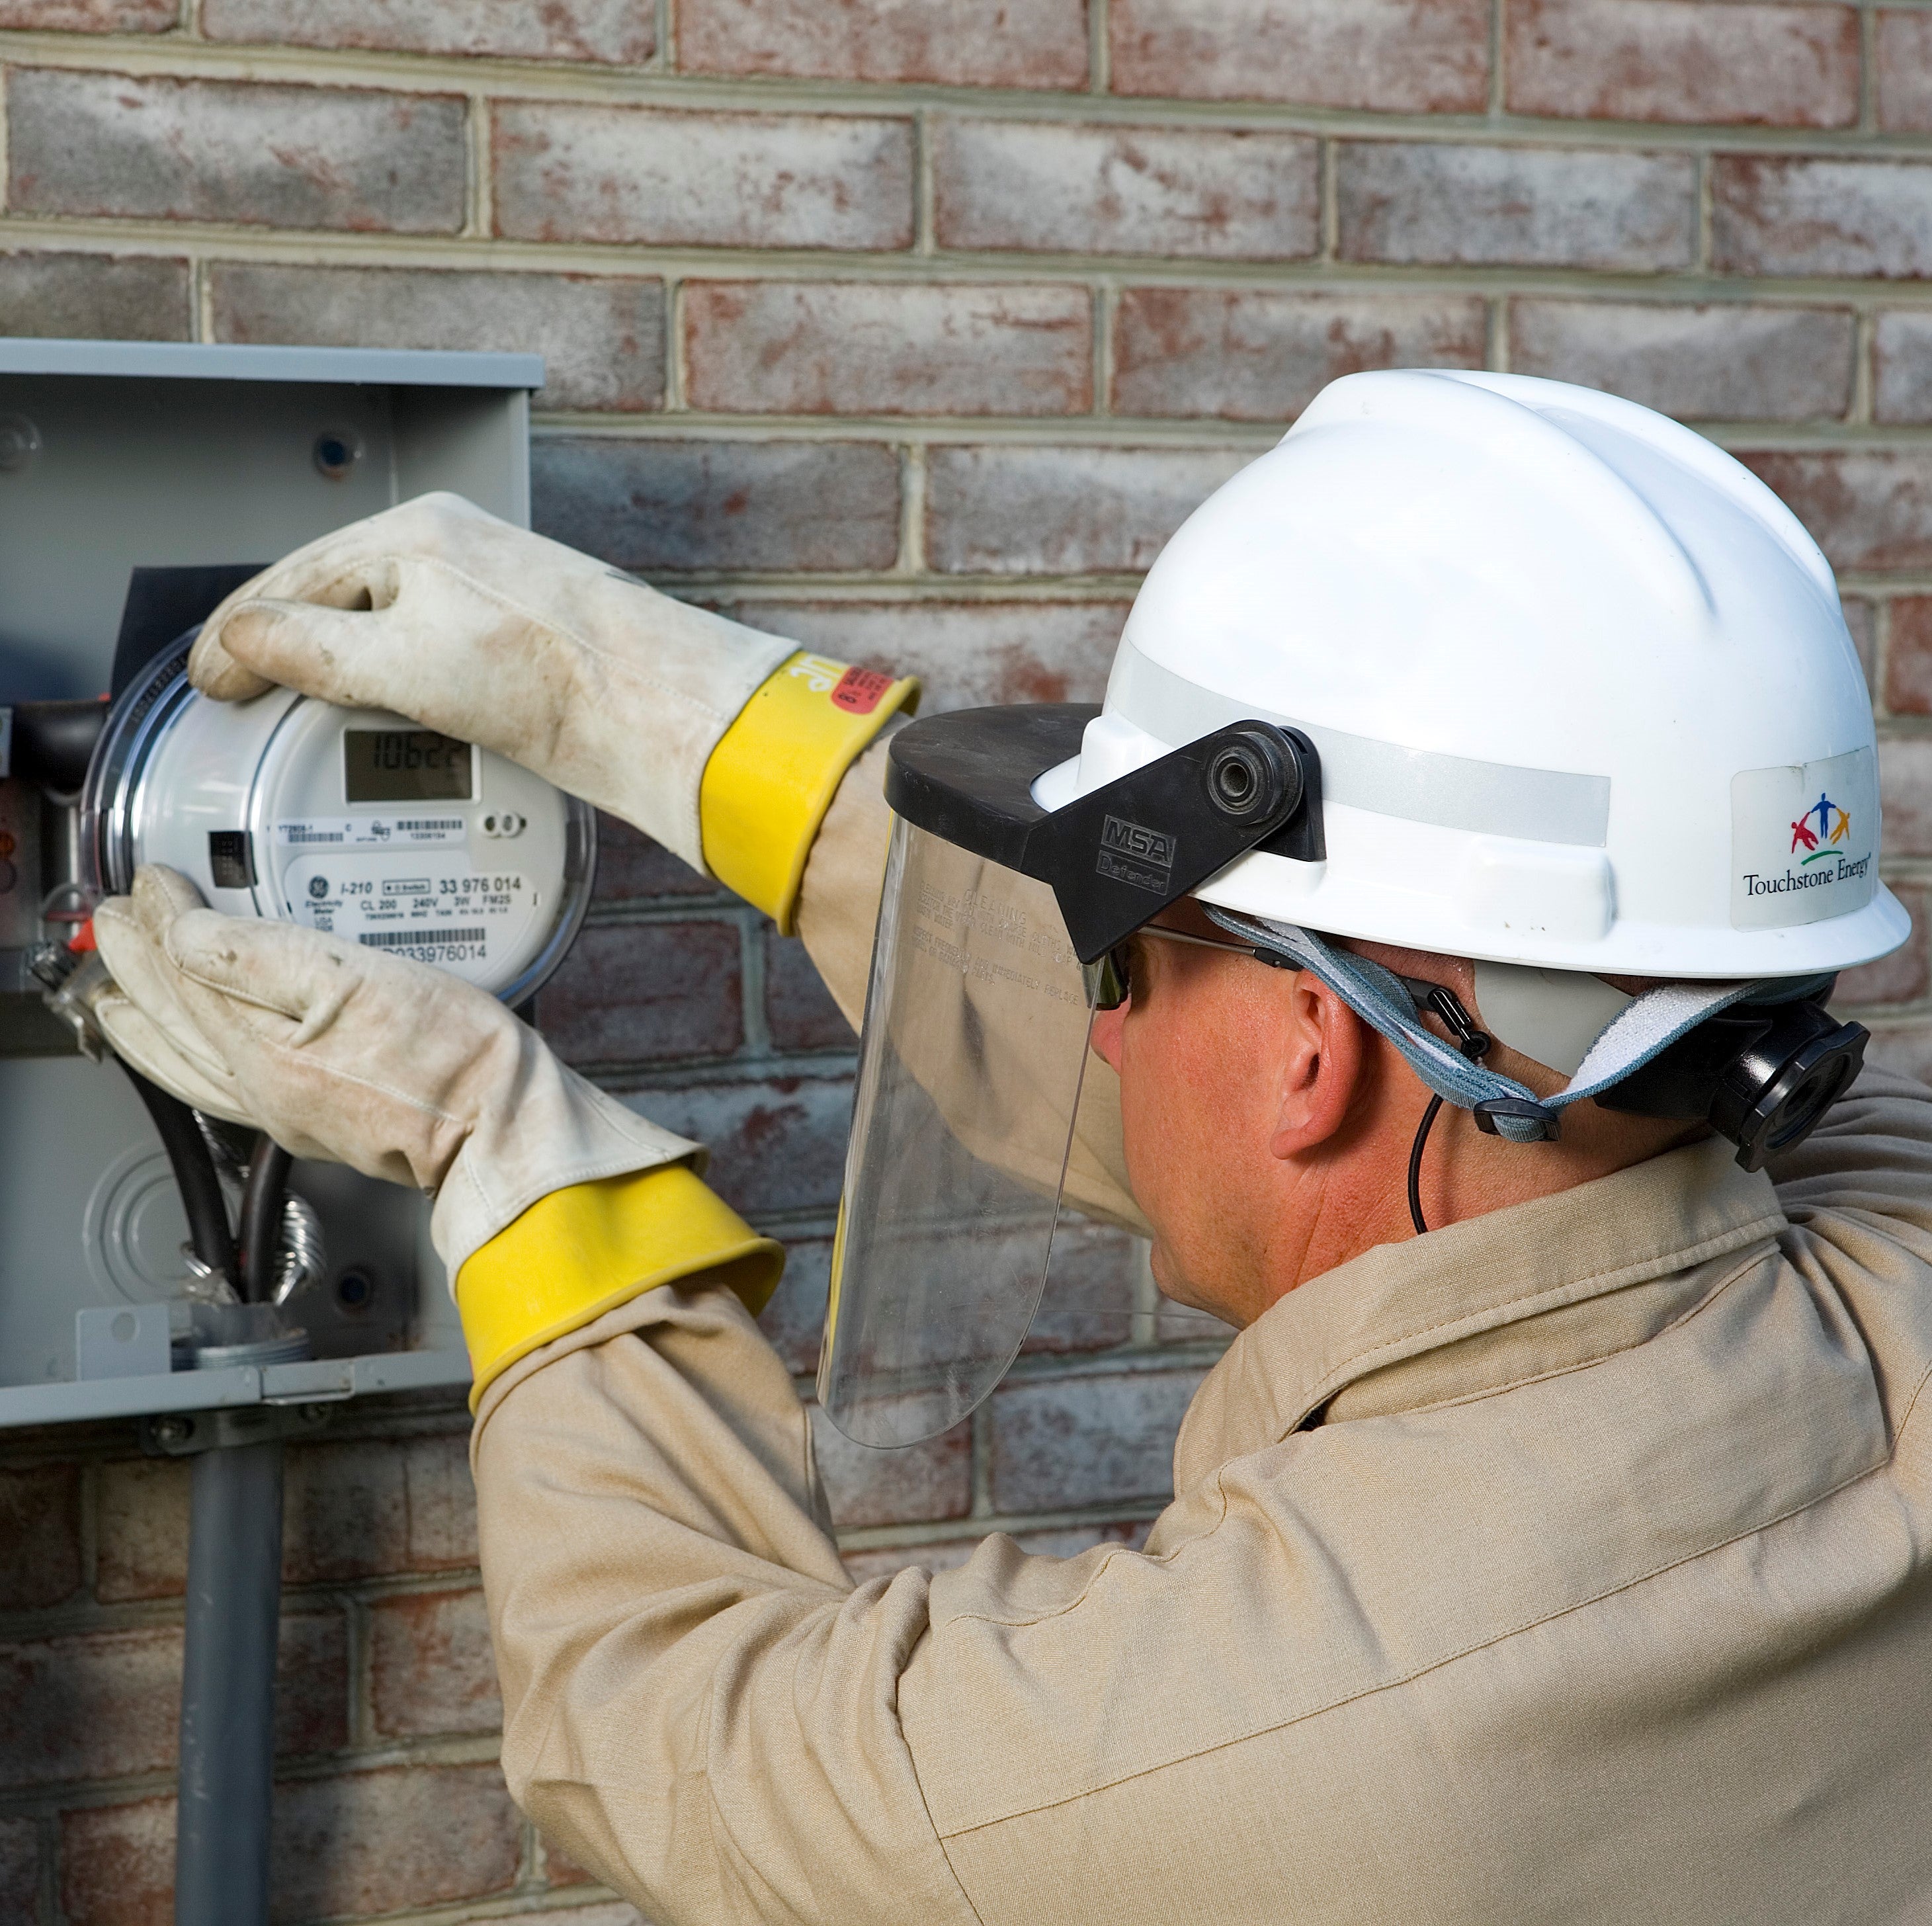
{"points": [[717, 180], [965, 654], [1905, 795], [1543, 207], [1409, 56], [19, 1872], [1088, 1301], [40, 1536], [932, 1479], [601, 336], [829, 348], [1097, 1440], [1717, 362], [1902, 367], [103, 1705], [1908, 664], [1262, 355], [117, 298], [1041, 187], [1005, 511], [799, 1013], [1867, 508], [794, 1320], [964, 43], [632, 868], [777, 1145], [1785, 214], [428, 1835], [1902, 70], [90, 16], [431, 1671], [117, 1864], [1901, 977], [254, 155], [612, 31], [652, 505], [1779, 65], [628, 993], [1861, 620]]}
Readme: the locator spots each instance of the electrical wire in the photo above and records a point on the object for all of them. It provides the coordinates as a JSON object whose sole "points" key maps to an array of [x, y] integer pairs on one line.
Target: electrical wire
{"points": [[1415, 1167], [262, 1200], [194, 1170], [1474, 1043]]}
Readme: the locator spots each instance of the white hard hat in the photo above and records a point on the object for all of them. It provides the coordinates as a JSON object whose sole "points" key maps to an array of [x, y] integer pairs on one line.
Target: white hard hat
{"points": [[1581, 687]]}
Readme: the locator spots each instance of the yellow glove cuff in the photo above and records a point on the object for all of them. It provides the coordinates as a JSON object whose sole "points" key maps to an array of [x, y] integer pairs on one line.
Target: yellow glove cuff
{"points": [[773, 775], [580, 1252]]}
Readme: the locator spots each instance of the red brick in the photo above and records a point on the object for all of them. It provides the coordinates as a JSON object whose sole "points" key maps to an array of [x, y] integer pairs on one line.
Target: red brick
{"points": [[1867, 508], [948, 1553], [799, 1008], [104, 297], [957, 42], [1782, 214], [19, 1872], [1104, 190], [615, 32], [1683, 60], [40, 1536], [631, 868], [1900, 978], [1546, 207], [650, 504], [932, 1479], [1013, 510], [1905, 1049], [431, 1669], [1407, 56], [424, 1835], [778, 1145], [794, 1320], [1908, 658], [117, 1864], [1861, 620], [1717, 362], [90, 16], [1902, 367], [669, 176], [1902, 71], [257, 154], [1059, 1442], [601, 336], [1088, 1303], [831, 348], [1905, 795], [629, 993], [1262, 355], [103, 1705], [965, 654]]}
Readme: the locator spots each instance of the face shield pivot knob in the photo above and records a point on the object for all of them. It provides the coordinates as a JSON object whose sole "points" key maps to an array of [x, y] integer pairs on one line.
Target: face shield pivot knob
{"points": [[1773, 1094], [1254, 777]]}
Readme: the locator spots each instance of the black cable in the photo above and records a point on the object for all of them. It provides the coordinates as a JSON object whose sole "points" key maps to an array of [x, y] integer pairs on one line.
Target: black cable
{"points": [[193, 1168], [1415, 1167], [262, 1200]]}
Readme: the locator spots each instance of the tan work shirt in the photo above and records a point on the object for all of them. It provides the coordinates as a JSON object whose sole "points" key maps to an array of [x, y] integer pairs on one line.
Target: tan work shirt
{"points": [[1573, 1563]]}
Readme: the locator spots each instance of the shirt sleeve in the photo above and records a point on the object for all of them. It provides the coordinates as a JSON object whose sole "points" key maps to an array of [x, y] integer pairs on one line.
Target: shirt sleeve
{"points": [[1872, 1156], [698, 1705]]}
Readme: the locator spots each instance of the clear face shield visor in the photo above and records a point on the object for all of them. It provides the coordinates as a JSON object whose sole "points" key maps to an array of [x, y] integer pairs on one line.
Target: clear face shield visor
{"points": [[996, 918]]}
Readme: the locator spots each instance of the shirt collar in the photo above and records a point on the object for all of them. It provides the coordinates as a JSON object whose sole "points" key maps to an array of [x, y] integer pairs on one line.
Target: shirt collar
{"points": [[1472, 1286]]}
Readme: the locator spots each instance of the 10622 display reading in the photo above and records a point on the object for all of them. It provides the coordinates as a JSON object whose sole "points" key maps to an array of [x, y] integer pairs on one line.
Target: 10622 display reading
{"points": [[404, 766]]}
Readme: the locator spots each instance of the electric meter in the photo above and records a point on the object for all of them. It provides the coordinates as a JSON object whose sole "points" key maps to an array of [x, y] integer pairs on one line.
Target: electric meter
{"points": [[352, 821]]}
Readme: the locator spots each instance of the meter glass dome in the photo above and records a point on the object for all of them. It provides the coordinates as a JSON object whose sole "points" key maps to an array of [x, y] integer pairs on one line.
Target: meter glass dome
{"points": [[354, 822]]}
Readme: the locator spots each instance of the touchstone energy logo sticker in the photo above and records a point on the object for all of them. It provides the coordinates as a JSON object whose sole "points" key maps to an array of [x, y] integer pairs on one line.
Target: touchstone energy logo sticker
{"points": [[1803, 841]]}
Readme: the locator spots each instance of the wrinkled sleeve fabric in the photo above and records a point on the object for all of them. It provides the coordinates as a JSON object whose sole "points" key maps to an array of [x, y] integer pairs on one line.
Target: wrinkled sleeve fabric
{"points": [[697, 1706]]}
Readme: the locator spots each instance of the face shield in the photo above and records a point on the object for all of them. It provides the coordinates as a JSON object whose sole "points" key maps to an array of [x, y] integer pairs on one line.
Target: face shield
{"points": [[996, 918]]}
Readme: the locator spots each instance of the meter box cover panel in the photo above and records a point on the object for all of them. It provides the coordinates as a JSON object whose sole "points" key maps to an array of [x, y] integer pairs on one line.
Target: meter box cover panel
{"points": [[167, 458]]}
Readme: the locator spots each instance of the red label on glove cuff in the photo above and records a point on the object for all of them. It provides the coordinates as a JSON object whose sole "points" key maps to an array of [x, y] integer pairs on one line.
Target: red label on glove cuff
{"points": [[860, 691]]}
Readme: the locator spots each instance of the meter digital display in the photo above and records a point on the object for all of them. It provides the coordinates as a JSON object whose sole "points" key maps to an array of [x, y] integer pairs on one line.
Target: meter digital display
{"points": [[404, 766], [360, 824]]}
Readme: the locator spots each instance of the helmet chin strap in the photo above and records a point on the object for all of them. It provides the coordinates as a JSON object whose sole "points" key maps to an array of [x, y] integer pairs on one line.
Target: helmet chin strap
{"points": [[1645, 1027]]}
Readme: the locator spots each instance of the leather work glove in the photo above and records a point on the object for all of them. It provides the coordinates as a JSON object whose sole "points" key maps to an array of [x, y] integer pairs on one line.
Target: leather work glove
{"points": [[553, 1202], [724, 744]]}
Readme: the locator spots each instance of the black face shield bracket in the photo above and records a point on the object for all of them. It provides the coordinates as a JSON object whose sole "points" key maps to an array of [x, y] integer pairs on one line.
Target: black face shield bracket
{"points": [[1118, 856]]}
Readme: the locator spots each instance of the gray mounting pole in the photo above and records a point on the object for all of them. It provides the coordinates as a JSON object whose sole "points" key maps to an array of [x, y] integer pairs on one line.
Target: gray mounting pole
{"points": [[228, 1687]]}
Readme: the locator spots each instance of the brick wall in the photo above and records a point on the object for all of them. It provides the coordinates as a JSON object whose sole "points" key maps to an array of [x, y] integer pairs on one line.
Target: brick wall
{"points": [[910, 329]]}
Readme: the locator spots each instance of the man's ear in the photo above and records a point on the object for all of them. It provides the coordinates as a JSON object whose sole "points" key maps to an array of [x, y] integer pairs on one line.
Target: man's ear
{"points": [[1322, 1053]]}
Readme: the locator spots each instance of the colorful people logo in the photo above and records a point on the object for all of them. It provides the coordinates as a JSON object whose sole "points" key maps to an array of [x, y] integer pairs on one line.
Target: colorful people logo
{"points": [[1834, 824]]}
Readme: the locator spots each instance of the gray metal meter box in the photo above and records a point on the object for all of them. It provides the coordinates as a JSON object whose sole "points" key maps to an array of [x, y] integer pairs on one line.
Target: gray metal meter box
{"points": [[120, 457]]}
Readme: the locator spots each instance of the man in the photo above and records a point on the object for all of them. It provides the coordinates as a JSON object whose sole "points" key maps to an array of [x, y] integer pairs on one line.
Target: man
{"points": [[1567, 1560]]}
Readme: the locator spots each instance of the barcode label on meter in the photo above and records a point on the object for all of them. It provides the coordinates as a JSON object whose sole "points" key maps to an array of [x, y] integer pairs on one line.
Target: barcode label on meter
{"points": [[424, 936], [371, 832]]}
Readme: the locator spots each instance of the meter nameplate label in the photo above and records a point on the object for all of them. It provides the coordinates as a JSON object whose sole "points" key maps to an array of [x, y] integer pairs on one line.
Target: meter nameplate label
{"points": [[425, 830], [440, 911]]}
